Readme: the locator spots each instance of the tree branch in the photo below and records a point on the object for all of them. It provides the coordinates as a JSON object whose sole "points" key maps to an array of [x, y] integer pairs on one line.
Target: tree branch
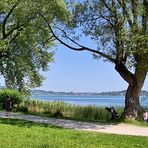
{"points": [[134, 11], [19, 27], [51, 39], [106, 5], [82, 48], [124, 72], [108, 20], [17, 34], [5, 21], [145, 16], [125, 11], [5, 55]]}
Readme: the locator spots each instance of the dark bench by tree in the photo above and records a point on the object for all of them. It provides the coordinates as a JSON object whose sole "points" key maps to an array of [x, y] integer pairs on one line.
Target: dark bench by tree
{"points": [[114, 114]]}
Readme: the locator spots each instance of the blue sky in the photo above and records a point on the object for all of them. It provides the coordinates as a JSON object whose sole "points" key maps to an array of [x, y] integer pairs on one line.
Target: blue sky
{"points": [[79, 72]]}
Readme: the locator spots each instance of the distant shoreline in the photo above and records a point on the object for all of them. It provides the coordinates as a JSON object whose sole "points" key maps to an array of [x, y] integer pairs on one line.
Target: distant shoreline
{"points": [[109, 93]]}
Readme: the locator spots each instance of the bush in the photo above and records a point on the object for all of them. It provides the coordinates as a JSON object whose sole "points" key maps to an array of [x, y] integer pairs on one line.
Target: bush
{"points": [[22, 109], [58, 113], [15, 96]]}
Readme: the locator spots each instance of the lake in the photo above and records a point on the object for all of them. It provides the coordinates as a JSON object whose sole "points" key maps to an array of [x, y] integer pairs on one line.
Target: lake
{"points": [[91, 100]]}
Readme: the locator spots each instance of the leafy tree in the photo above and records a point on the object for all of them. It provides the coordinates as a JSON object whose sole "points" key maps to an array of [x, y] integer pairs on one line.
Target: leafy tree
{"points": [[25, 39], [16, 97], [120, 28]]}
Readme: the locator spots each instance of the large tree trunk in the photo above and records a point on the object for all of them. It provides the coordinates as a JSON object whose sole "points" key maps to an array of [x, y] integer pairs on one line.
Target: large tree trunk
{"points": [[132, 103], [135, 81]]}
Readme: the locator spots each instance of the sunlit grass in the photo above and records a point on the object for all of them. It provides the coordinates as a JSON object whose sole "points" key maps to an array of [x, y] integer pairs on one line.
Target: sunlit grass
{"points": [[25, 134]]}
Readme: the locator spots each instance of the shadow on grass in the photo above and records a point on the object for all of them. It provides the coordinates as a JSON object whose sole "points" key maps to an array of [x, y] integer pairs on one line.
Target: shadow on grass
{"points": [[111, 122], [24, 123]]}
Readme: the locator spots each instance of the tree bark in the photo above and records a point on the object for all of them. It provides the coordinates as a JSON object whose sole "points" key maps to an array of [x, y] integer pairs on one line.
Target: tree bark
{"points": [[135, 81], [132, 103]]}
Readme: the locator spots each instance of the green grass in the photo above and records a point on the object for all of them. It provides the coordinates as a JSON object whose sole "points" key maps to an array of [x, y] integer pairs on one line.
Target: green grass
{"points": [[25, 134], [65, 110], [136, 122]]}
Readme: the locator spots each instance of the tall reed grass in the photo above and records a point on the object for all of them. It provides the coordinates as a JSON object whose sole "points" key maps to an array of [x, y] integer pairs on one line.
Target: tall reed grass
{"points": [[62, 109]]}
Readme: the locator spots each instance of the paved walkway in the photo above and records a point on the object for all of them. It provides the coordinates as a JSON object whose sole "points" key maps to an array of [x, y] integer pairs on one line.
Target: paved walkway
{"points": [[123, 129]]}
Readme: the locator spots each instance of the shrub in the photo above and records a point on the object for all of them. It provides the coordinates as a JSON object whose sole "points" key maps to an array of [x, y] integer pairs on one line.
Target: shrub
{"points": [[58, 113], [15, 96], [22, 109]]}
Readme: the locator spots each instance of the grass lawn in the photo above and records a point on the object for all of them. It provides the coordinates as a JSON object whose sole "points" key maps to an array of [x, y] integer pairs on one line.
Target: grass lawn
{"points": [[25, 134]]}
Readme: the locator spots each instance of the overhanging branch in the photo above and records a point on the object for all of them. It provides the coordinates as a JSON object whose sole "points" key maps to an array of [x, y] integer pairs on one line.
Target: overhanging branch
{"points": [[5, 21], [81, 48]]}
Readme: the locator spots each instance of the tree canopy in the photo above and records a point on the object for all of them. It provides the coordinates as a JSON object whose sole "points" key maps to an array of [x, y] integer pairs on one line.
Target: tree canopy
{"points": [[120, 29], [25, 40]]}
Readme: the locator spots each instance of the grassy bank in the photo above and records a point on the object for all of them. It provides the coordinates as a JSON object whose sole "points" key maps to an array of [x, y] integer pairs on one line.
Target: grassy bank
{"points": [[65, 110], [18, 133]]}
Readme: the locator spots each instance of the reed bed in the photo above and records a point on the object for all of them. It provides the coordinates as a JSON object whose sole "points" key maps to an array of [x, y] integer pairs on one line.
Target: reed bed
{"points": [[62, 109]]}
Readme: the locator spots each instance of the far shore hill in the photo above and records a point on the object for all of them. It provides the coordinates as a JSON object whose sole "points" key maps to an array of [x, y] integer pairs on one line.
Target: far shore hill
{"points": [[109, 93]]}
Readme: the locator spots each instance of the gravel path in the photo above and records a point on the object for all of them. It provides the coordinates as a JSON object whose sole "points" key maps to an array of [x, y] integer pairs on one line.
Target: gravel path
{"points": [[123, 129]]}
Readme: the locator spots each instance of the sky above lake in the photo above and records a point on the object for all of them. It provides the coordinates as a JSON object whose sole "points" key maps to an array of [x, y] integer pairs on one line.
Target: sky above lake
{"points": [[79, 72]]}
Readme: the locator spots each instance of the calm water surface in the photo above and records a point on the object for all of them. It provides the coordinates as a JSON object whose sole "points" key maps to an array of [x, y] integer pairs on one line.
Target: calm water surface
{"points": [[92, 100]]}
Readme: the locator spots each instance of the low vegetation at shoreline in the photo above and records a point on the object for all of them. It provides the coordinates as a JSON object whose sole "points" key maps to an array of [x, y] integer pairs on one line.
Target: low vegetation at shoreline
{"points": [[19, 133], [58, 109], [65, 110]]}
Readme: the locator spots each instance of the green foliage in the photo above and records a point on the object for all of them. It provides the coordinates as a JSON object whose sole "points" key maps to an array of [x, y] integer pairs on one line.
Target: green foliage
{"points": [[120, 31], [15, 96], [25, 40]]}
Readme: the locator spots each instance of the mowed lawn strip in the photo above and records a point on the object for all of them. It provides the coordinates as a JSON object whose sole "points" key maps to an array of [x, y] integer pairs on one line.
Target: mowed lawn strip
{"points": [[25, 134]]}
